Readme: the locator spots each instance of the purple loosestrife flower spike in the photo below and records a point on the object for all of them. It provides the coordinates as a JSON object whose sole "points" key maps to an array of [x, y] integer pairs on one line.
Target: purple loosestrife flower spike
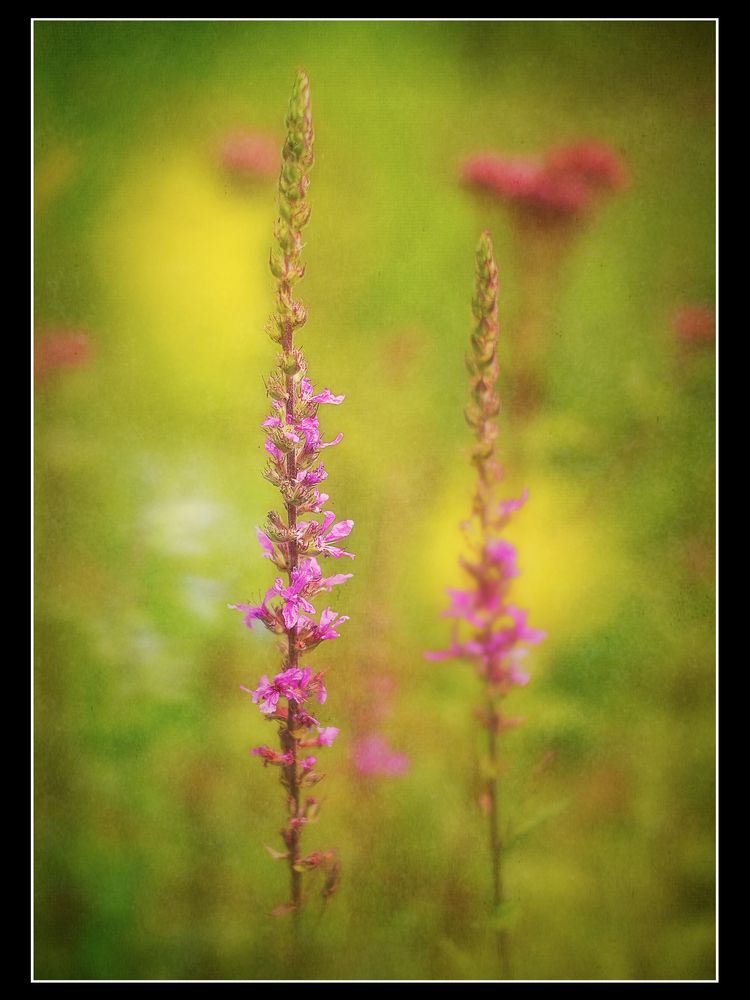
{"points": [[497, 630], [293, 445]]}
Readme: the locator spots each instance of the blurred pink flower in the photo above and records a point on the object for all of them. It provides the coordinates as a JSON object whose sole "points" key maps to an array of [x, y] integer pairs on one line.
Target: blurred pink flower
{"points": [[270, 756], [326, 736], [250, 154], [561, 183], [592, 161], [695, 324], [372, 756], [56, 349]]}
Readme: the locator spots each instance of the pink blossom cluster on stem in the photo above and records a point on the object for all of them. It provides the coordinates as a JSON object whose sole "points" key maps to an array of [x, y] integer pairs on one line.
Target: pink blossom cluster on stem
{"points": [[305, 534], [498, 630], [489, 630]]}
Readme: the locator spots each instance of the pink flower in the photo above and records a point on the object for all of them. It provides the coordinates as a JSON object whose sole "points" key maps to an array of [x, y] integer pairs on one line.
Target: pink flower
{"points": [[521, 631], [292, 595], [506, 507], [317, 582], [283, 434], [330, 532], [495, 647], [695, 324], [255, 612], [294, 442], [294, 684], [501, 641], [464, 605], [328, 622], [316, 503], [266, 695], [271, 756], [373, 756], [509, 177], [516, 675], [59, 349], [269, 552], [560, 184], [326, 396], [250, 154], [304, 719], [526, 182], [497, 628], [594, 162], [310, 428], [326, 736], [504, 557], [311, 477], [273, 451], [560, 194]]}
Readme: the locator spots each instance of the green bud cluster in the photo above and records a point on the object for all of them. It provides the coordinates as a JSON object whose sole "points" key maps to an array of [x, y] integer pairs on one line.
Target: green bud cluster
{"points": [[481, 360], [294, 214]]}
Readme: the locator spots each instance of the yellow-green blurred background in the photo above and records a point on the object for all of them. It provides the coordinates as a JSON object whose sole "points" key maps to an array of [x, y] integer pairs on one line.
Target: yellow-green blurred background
{"points": [[150, 814]]}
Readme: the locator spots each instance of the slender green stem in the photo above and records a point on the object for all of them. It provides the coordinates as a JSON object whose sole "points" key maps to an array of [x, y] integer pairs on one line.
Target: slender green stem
{"points": [[502, 943]]}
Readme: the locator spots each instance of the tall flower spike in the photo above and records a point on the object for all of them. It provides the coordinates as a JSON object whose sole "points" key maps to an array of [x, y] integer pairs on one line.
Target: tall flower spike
{"points": [[293, 444], [497, 630]]}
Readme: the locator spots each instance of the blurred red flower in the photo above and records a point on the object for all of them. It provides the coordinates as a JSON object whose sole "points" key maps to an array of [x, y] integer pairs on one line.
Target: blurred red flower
{"points": [[250, 154], [695, 324], [56, 349], [561, 183]]}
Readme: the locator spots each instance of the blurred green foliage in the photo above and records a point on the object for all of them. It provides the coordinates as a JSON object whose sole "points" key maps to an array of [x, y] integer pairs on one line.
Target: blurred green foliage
{"points": [[150, 814]]}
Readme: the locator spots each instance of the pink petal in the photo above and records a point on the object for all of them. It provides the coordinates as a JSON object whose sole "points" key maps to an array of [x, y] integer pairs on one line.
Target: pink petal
{"points": [[326, 617], [506, 507], [326, 396], [329, 444], [273, 450], [331, 550], [327, 735], [250, 612], [314, 568], [331, 581], [290, 614], [266, 544], [443, 654], [519, 677], [340, 530], [328, 518]]}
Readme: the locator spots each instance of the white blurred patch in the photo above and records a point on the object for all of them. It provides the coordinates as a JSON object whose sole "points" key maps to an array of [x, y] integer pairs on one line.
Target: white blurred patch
{"points": [[203, 596], [182, 527]]}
